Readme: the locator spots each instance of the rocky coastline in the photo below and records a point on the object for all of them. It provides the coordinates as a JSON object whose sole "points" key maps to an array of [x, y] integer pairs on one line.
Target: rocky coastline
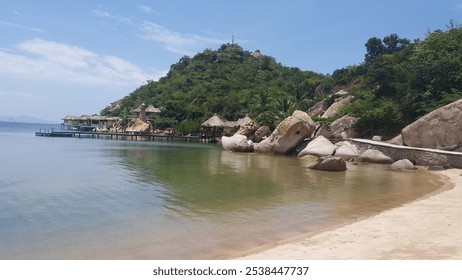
{"points": [[329, 146]]}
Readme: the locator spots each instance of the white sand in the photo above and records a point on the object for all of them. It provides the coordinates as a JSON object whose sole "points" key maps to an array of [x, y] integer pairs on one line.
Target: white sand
{"points": [[429, 228]]}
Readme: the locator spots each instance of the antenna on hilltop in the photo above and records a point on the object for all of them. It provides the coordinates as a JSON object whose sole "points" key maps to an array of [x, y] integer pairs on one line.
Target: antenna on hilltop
{"points": [[232, 38]]}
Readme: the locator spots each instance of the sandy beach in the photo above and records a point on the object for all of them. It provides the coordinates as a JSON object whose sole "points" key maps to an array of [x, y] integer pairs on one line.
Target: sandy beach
{"points": [[429, 228]]}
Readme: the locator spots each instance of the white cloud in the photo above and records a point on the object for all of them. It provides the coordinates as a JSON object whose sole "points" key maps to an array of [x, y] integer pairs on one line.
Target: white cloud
{"points": [[10, 24], [51, 60], [120, 20], [145, 9], [174, 41]]}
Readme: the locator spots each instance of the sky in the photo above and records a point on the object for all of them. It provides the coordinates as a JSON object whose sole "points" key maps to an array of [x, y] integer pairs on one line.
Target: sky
{"points": [[64, 57]]}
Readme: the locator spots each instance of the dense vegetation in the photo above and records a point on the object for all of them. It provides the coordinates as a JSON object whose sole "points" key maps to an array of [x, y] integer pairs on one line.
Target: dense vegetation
{"points": [[398, 82]]}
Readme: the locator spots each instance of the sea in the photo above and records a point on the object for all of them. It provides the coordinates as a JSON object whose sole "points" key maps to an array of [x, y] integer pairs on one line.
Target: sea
{"points": [[71, 198]]}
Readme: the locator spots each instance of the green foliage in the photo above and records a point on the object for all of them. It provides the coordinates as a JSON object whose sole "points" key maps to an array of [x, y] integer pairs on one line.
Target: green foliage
{"points": [[230, 82], [398, 82]]}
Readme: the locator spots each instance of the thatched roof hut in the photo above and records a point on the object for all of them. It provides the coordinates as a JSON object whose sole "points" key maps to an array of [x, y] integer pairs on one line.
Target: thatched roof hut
{"points": [[214, 121], [149, 109]]}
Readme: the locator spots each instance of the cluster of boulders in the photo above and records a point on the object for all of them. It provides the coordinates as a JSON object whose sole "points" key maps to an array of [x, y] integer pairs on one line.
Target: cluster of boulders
{"points": [[292, 134]]}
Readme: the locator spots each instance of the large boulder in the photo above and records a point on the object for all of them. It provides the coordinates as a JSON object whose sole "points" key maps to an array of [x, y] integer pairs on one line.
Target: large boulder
{"points": [[320, 146], [346, 150], [237, 143], [318, 109], [262, 132], [288, 134], [334, 109], [341, 128], [402, 164], [374, 156], [439, 129], [329, 163]]}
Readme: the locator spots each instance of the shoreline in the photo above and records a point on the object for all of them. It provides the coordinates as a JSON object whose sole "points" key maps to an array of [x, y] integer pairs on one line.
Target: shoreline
{"points": [[427, 228]]}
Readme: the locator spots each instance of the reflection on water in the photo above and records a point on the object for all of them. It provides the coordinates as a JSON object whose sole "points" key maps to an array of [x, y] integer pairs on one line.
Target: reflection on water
{"points": [[115, 199]]}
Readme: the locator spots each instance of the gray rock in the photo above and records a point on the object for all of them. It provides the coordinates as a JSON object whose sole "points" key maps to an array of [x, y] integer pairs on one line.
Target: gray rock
{"points": [[320, 146], [377, 138], [346, 150], [438, 129], [374, 156], [247, 129], [397, 140], [318, 109], [329, 163], [288, 134], [237, 143], [262, 132], [402, 164], [341, 128], [334, 109]]}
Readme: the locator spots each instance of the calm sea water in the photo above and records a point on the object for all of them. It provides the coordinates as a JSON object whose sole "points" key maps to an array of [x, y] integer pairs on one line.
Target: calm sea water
{"points": [[65, 198]]}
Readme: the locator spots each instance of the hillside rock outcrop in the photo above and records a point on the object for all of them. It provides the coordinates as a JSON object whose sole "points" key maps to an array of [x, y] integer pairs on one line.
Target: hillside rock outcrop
{"points": [[439, 129], [341, 128], [334, 109], [288, 134]]}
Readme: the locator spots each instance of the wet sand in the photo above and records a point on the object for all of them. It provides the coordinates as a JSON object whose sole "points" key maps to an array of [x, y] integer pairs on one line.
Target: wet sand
{"points": [[429, 228]]}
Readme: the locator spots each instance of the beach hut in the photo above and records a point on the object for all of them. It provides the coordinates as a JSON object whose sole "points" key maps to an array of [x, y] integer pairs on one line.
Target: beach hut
{"points": [[213, 126], [146, 113]]}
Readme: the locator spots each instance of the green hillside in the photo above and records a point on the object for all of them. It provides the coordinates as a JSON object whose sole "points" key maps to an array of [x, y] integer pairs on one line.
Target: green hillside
{"points": [[399, 81]]}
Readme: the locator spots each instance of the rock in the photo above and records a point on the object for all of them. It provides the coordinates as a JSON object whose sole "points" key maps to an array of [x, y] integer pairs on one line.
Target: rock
{"points": [[377, 138], [341, 128], [329, 163], [319, 146], [263, 131], [374, 156], [402, 164], [334, 109], [398, 140], [438, 129], [247, 129], [288, 134], [137, 126], [318, 109], [237, 143], [346, 150], [435, 168]]}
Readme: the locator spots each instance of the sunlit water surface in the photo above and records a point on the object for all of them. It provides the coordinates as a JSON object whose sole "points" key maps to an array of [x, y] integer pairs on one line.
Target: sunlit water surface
{"points": [[66, 198]]}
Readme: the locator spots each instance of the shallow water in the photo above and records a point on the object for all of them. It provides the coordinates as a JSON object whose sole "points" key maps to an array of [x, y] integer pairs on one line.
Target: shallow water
{"points": [[64, 198]]}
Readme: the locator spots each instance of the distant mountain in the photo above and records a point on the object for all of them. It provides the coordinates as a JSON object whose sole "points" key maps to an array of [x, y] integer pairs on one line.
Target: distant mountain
{"points": [[24, 119]]}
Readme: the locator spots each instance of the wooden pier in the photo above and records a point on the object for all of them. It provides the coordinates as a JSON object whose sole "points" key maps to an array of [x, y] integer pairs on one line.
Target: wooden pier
{"points": [[125, 136]]}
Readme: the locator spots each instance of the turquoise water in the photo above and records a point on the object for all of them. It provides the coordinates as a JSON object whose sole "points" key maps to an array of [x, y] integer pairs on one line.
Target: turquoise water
{"points": [[66, 198]]}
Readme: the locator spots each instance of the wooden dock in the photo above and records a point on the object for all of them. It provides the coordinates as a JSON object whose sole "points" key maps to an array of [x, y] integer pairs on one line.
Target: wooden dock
{"points": [[125, 136]]}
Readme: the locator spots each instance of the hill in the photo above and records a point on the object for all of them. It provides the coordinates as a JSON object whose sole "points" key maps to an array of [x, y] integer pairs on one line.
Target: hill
{"points": [[229, 81], [399, 81]]}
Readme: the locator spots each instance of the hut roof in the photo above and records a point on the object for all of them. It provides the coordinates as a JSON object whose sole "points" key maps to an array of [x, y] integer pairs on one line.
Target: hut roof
{"points": [[152, 109], [216, 121], [149, 109]]}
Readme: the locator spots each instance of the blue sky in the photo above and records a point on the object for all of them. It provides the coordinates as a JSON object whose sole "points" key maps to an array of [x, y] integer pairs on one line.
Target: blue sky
{"points": [[75, 57]]}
